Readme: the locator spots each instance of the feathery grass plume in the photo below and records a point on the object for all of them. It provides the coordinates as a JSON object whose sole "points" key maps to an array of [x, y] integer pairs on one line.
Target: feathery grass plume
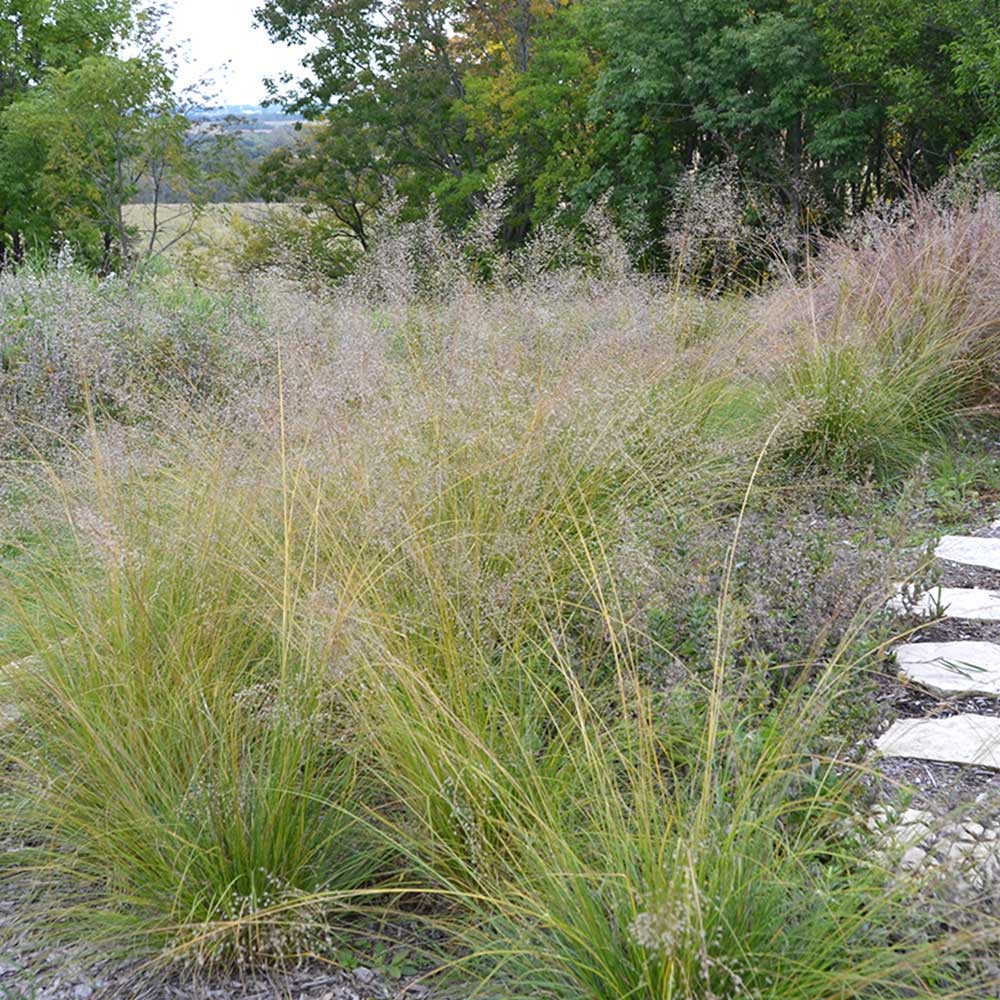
{"points": [[895, 337], [69, 341]]}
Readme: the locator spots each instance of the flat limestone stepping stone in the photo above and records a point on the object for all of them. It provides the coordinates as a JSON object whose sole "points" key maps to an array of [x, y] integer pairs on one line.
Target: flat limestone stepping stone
{"points": [[958, 739], [951, 667], [970, 551], [954, 602]]}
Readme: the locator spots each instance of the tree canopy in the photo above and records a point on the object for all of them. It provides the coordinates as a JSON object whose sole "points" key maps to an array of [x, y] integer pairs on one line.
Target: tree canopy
{"points": [[784, 117], [80, 124], [819, 108]]}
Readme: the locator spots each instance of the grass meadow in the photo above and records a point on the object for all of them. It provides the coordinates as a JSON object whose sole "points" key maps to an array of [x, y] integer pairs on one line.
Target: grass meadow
{"points": [[533, 624]]}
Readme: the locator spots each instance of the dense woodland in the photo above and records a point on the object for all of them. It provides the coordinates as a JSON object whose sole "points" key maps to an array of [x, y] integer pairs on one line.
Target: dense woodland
{"points": [[713, 117], [814, 109]]}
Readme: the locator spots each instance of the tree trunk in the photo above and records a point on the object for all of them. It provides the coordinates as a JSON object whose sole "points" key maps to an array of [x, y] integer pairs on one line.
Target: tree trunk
{"points": [[109, 242], [522, 32], [795, 193]]}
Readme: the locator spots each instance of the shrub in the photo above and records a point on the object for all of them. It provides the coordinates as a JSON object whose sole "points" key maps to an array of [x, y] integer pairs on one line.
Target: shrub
{"points": [[311, 246]]}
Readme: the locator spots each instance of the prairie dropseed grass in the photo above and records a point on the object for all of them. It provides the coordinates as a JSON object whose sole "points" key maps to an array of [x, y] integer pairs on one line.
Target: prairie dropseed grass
{"points": [[413, 600]]}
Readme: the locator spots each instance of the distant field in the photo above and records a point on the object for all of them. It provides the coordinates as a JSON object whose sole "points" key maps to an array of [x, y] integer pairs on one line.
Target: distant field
{"points": [[180, 230]]}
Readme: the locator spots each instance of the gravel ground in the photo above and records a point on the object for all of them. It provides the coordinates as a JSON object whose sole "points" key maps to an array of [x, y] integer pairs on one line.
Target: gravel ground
{"points": [[945, 818], [30, 971], [66, 974], [948, 800]]}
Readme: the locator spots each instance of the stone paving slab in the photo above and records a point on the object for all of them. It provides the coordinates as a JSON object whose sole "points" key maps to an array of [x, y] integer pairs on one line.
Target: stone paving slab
{"points": [[970, 550], [951, 667], [953, 602], [957, 739]]}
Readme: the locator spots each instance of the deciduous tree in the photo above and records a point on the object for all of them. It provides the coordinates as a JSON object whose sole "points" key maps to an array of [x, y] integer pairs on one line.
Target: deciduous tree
{"points": [[75, 147]]}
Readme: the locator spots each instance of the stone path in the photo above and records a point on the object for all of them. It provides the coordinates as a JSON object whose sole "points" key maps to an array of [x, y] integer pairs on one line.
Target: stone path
{"points": [[970, 550], [959, 668], [949, 749], [973, 603], [957, 739]]}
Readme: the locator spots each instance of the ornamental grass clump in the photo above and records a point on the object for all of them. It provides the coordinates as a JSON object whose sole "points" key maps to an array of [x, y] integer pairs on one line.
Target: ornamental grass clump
{"points": [[605, 836], [894, 339], [176, 779]]}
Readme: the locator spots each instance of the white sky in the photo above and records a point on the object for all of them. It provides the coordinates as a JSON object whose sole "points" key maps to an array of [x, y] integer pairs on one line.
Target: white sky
{"points": [[210, 33]]}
